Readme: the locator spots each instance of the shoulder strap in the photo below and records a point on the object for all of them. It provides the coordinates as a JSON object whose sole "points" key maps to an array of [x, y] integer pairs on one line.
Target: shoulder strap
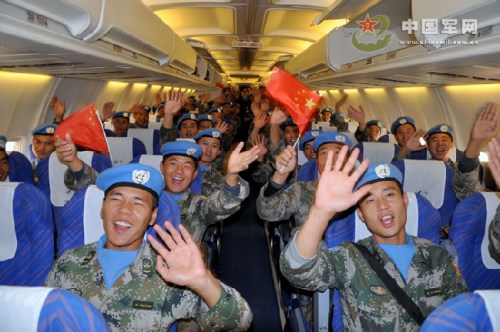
{"points": [[403, 299]]}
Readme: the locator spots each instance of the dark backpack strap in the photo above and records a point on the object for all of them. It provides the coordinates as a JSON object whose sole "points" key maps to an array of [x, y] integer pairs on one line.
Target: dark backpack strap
{"points": [[403, 299]]}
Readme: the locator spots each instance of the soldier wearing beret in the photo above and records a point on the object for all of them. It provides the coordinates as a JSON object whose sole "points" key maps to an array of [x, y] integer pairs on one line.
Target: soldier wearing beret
{"points": [[117, 273], [424, 271]]}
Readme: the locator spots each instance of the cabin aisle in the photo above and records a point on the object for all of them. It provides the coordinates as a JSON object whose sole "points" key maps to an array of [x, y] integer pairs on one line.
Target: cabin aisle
{"points": [[245, 264]]}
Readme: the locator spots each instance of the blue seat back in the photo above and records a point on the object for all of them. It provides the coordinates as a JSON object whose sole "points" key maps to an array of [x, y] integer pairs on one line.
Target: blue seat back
{"points": [[20, 169], [27, 245], [308, 171], [124, 149], [423, 176], [469, 233]]}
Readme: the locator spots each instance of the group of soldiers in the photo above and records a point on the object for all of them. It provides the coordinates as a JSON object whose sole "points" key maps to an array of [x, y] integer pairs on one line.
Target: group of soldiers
{"points": [[204, 147]]}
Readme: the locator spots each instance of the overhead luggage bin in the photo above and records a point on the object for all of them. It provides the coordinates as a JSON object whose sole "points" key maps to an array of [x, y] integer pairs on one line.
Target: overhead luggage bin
{"points": [[79, 17], [371, 34], [445, 23], [201, 67]]}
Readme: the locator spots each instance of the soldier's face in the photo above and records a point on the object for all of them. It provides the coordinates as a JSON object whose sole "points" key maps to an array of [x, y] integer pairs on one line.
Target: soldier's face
{"points": [[43, 146], [205, 124], [309, 150], [326, 116], [178, 172], [403, 133], [211, 149], [4, 166], [439, 145], [127, 212], [188, 128], [291, 134], [120, 126], [323, 153], [141, 118], [374, 131], [384, 212]]}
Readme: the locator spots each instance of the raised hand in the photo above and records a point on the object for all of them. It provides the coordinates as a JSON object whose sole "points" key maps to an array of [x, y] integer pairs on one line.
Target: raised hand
{"points": [[494, 160], [336, 184], [173, 102], [239, 161], [137, 107], [179, 261], [260, 141], [413, 143], [260, 120], [486, 125], [66, 153], [278, 116], [222, 126], [286, 161], [107, 110], [357, 115]]}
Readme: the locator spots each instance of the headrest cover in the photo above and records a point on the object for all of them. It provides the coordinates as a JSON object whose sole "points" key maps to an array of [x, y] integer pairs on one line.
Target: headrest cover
{"points": [[44, 129], [380, 171], [209, 132], [401, 121], [133, 175], [331, 137], [441, 128], [181, 148], [309, 136]]}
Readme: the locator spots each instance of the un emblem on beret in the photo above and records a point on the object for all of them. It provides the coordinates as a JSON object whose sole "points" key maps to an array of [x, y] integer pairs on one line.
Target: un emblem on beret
{"points": [[340, 138], [140, 176], [49, 130], [379, 124], [192, 117], [444, 129], [215, 134], [125, 114], [314, 133], [402, 121], [209, 117], [190, 151], [382, 171]]}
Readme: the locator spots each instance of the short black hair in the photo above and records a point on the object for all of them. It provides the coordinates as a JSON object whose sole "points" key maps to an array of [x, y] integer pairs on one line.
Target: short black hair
{"points": [[196, 161]]}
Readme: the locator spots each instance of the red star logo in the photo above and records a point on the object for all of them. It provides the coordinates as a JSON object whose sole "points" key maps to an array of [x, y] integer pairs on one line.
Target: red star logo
{"points": [[368, 24]]}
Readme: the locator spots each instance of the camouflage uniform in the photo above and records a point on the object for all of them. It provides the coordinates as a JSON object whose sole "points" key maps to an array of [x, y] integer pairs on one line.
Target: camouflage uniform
{"points": [[364, 136], [465, 183], [494, 237], [212, 180], [198, 211], [292, 201], [140, 300], [167, 135], [89, 177], [366, 303]]}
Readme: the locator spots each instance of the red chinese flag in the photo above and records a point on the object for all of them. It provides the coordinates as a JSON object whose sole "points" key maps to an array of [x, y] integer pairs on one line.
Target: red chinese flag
{"points": [[299, 101], [85, 128]]}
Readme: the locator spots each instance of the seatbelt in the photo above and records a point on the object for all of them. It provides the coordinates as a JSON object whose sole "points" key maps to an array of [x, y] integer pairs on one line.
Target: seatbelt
{"points": [[399, 294]]}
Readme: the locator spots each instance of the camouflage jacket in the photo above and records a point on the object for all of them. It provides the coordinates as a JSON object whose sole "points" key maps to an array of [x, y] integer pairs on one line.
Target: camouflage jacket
{"points": [[465, 184], [494, 237], [167, 135], [89, 177], [212, 179], [140, 300], [198, 211], [366, 303], [287, 202]]}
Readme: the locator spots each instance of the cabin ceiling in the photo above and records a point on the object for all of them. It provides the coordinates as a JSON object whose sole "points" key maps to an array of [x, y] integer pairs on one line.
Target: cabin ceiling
{"points": [[284, 27]]}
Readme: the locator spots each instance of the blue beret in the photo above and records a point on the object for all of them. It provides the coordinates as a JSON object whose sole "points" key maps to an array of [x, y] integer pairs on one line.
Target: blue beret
{"points": [[380, 171], [182, 148], [209, 132], [401, 121], [215, 109], [205, 117], [132, 175], [374, 122], [331, 137], [441, 128], [226, 103], [327, 110], [287, 123], [44, 129], [188, 116], [309, 136], [3, 141], [120, 115], [147, 108]]}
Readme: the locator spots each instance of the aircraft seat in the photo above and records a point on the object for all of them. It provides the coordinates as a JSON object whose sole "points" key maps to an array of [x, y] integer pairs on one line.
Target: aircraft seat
{"points": [[375, 151], [308, 171], [26, 236], [20, 169], [476, 311], [45, 309], [433, 180], [469, 233], [150, 138], [124, 149], [423, 221]]}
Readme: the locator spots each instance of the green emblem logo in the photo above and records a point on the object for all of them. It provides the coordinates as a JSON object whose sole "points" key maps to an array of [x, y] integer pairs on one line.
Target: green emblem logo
{"points": [[377, 33]]}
